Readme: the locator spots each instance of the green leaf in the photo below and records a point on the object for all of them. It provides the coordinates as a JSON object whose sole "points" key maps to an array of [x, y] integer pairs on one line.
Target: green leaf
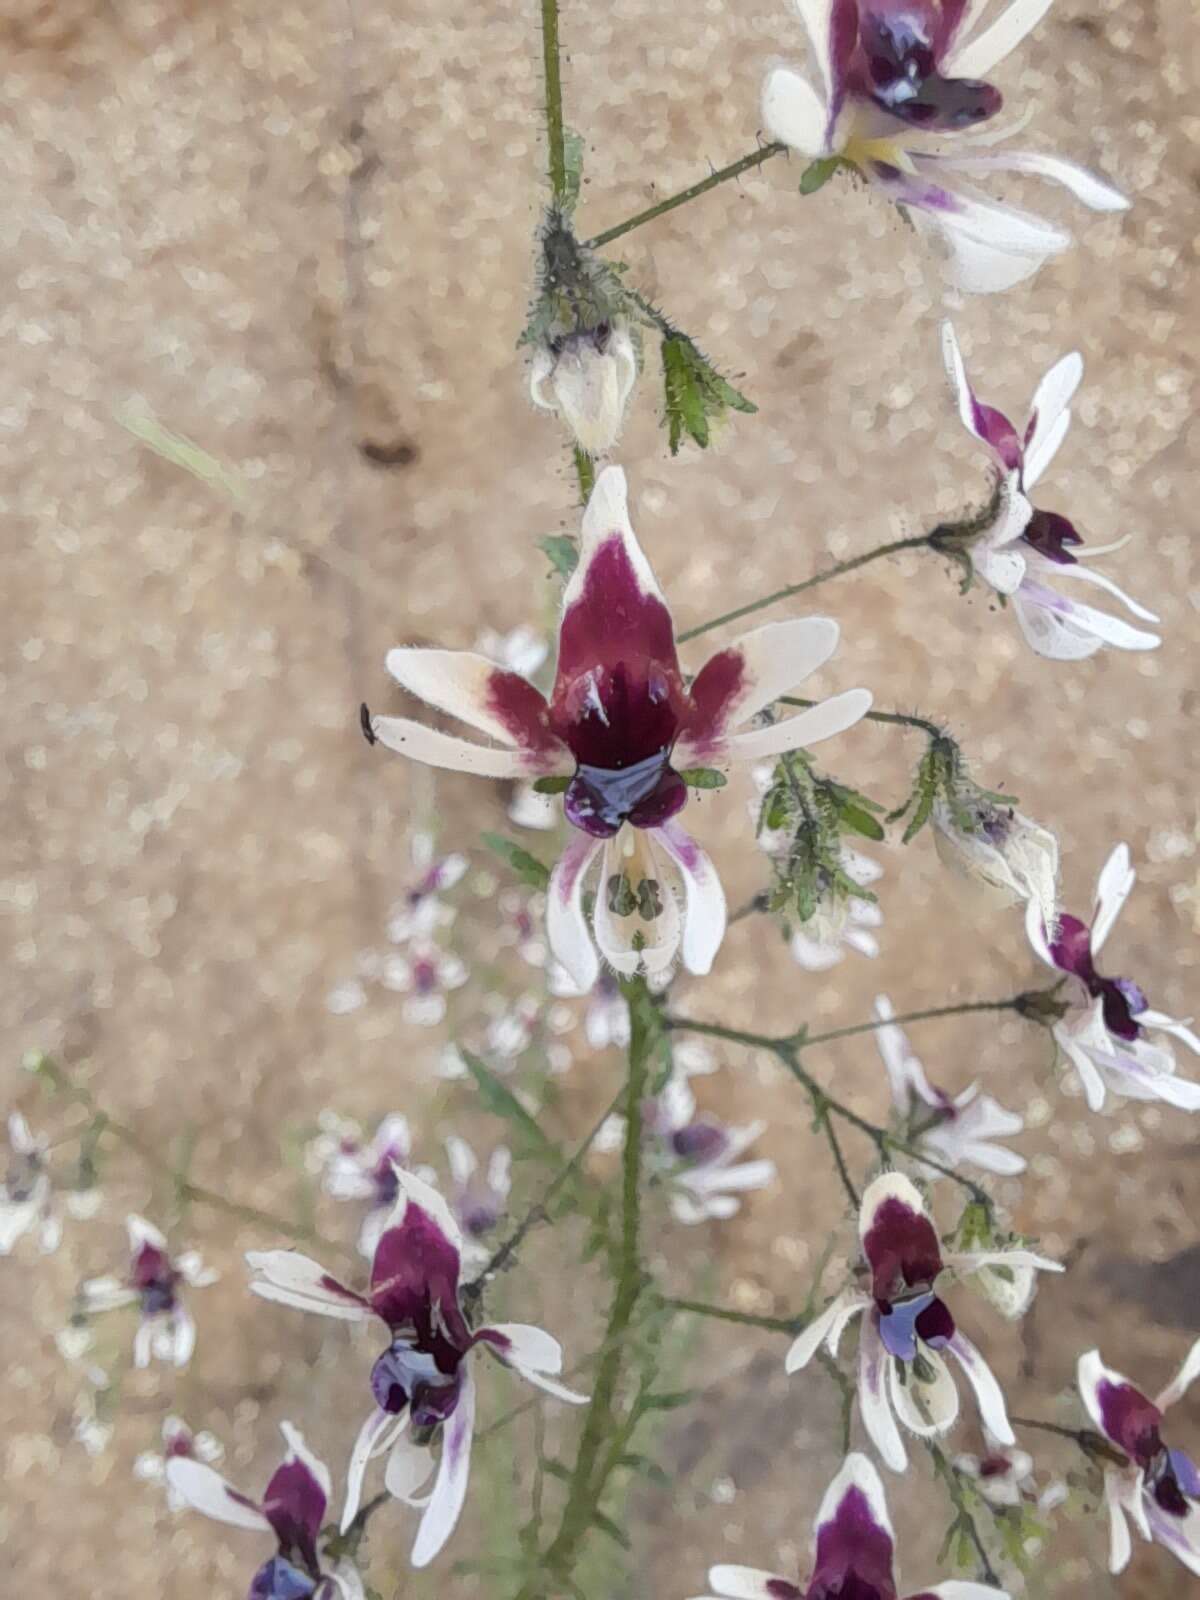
{"points": [[573, 155], [527, 867], [646, 1468], [859, 821], [817, 175], [551, 785], [703, 778], [180, 452], [667, 1402], [562, 553], [501, 1102], [695, 392]]}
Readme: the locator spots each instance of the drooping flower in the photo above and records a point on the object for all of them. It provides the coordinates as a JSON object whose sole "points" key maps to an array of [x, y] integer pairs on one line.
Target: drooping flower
{"points": [[179, 1443], [1159, 1487], [360, 1169], [27, 1194], [853, 1553], [698, 1156], [967, 1126], [906, 1325], [154, 1283], [992, 842], [423, 1380], [479, 1197], [899, 88], [1027, 552], [841, 921], [292, 1509], [421, 910], [425, 975], [587, 376], [1105, 1032], [621, 725]]}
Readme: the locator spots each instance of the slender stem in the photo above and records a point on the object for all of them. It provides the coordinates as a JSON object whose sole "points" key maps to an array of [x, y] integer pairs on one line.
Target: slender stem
{"points": [[186, 1192], [965, 1520], [1086, 1439], [551, 68], [917, 541], [722, 175], [839, 1160], [747, 1319], [590, 1472], [961, 1010]]}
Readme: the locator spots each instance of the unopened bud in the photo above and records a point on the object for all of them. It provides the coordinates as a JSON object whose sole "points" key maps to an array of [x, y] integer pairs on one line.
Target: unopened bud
{"points": [[998, 846], [587, 377]]}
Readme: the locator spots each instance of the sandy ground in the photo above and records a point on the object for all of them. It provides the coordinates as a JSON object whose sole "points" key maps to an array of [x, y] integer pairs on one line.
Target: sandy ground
{"points": [[301, 237]]}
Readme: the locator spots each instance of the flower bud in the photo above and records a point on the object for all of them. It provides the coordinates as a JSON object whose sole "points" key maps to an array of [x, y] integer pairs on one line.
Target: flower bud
{"points": [[999, 846], [587, 377]]}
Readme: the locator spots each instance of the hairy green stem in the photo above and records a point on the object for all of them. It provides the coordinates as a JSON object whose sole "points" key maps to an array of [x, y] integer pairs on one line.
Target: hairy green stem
{"points": [[552, 73], [592, 1462], [722, 175], [964, 1519], [747, 1319]]}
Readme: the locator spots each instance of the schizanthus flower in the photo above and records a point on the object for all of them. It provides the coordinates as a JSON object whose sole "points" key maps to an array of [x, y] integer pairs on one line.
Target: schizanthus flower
{"points": [[900, 83], [1105, 1032], [179, 1443], [154, 1283], [906, 1325], [842, 920], [355, 1168], [964, 1127], [853, 1553], [979, 835], [27, 1195], [1159, 1487], [1027, 551], [698, 1156], [621, 725], [421, 911], [292, 1509], [587, 376], [479, 1197], [423, 1380]]}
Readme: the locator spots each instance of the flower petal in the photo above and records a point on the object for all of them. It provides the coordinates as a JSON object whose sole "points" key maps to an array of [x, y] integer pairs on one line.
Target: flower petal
{"points": [[297, 1496], [1050, 416], [1183, 1380], [501, 704], [436, 749], [827, 1325], [407, 1472], [454, 1471], [1068, 630], [206, 1491], [794, 113], [991, 246], [976, 57], [374, 1437], [991, 427], [704, 914], [926, 1409], [523, 1345], [418, 1259], [744, 1583], [1113, 887], [1120, 1544], [961, 1589], [636, 917], [822, 721], [854, 1538], [293, 1279], [1086, 187], [874, 1365], [1179, 1535], [1081, 574], [567, 929], [742, 680], [988, 1392]]}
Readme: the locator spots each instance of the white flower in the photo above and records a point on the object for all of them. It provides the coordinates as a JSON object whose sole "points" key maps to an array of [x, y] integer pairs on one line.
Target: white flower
{"points": [[893, 96], [26, 1195], [955, 1130], [179, 1443], [425, 974], [698, 1155], [479, 1196], [619, 724], [1027, 552], [999, 846], [1105, 1033], [587, 377], [1003, 1476], [154, 1283], [421, 910], [906, 1325]]}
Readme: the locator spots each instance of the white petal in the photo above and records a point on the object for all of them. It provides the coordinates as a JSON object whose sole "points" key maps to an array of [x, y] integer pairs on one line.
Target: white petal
{"points": [[183, 1337], [704, 916], [773, 659], [987, 1391], [293, 1279], [106, 1294], [1183, 1380], [455, 681], [926, 1409], [991, 246], [347, 1580], [1049, 442], [1081, 574], [435, 749], [1049, 416], [963, 1589], [1090, 628], [454, 1471], [977, 57], [1164, 1024], [407, 1472], [1179, 1535], [433, 1204], [874, 1367], [16, 1219], [822, 721], [1086, 187], [741, 1583], [794, 113], [888, 1186], [376, 1433], [607, 513], [539, 1380], [142, 1232], [1116, 880], [829, 1324], [19, 1135], [527, 1346], [207, 1491], [858, 1472], [630, 942], [463, 1164], [730, 1180], [567, 930], [1120, 1545], [1046, 632]]}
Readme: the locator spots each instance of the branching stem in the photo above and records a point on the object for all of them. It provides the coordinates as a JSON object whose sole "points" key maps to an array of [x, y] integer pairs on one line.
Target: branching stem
{"points": [[734, 170]]}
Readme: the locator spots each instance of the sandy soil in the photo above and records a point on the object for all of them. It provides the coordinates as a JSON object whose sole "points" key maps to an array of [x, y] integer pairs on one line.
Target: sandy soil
{"points": [[300, 236]]}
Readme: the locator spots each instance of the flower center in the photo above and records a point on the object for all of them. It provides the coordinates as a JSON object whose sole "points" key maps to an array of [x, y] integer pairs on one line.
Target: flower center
{"points": [[646, 793], [278, 1579], [700, 1142], [902, 77], [923, 1317], [405, 1376]]}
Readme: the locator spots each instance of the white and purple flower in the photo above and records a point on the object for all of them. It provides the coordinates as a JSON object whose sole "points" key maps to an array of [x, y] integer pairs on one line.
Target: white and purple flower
{"points": [[999, 846], [1159, 1487], [364, 1170], [854, 1553], [292, 1509], [479, 1196], [900, 85], [842, 921], [956, 1129], [699, 1157], [422, 910], [27, 1195], [620, 726], [1028, 552], [906, 1325], [587, 377], [423, 1380], [426, 975], [154, 1283], [179, 1443], [1105, 1032]]}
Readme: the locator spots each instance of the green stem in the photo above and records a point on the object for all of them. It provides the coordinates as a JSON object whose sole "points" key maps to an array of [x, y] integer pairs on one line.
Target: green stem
{"points": [[917, 541], [590, 1472], [747, 1319], [965, 1519], [733, 170], [552, 72]]}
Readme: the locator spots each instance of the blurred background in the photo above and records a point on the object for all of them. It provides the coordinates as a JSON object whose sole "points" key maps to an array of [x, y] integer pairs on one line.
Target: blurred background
{"points": [[300, 236]]}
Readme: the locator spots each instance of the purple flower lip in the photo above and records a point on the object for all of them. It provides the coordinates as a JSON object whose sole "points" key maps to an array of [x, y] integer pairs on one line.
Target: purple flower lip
{"points": [[646, 793], [903, 1322], [278, 1579], [700, 1142], [901, 77], [1050, 534], [1123, 999], [155, 1280], [22, 1175]]}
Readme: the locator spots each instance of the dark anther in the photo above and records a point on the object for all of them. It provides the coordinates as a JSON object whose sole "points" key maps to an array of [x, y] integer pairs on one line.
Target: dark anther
{"points": [[364, 722]]}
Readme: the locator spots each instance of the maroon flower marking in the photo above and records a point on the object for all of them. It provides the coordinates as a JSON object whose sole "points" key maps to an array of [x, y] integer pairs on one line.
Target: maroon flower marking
{"points": [[1123, 1000], [156, 1280], [902, 1250], [1133, 1422], [294, 1505], [854, 1554], [891, 54]]}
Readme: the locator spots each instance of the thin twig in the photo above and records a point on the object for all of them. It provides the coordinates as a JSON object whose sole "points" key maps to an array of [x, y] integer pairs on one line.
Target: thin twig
{"points": [[747, 1319], [722, 175]]}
